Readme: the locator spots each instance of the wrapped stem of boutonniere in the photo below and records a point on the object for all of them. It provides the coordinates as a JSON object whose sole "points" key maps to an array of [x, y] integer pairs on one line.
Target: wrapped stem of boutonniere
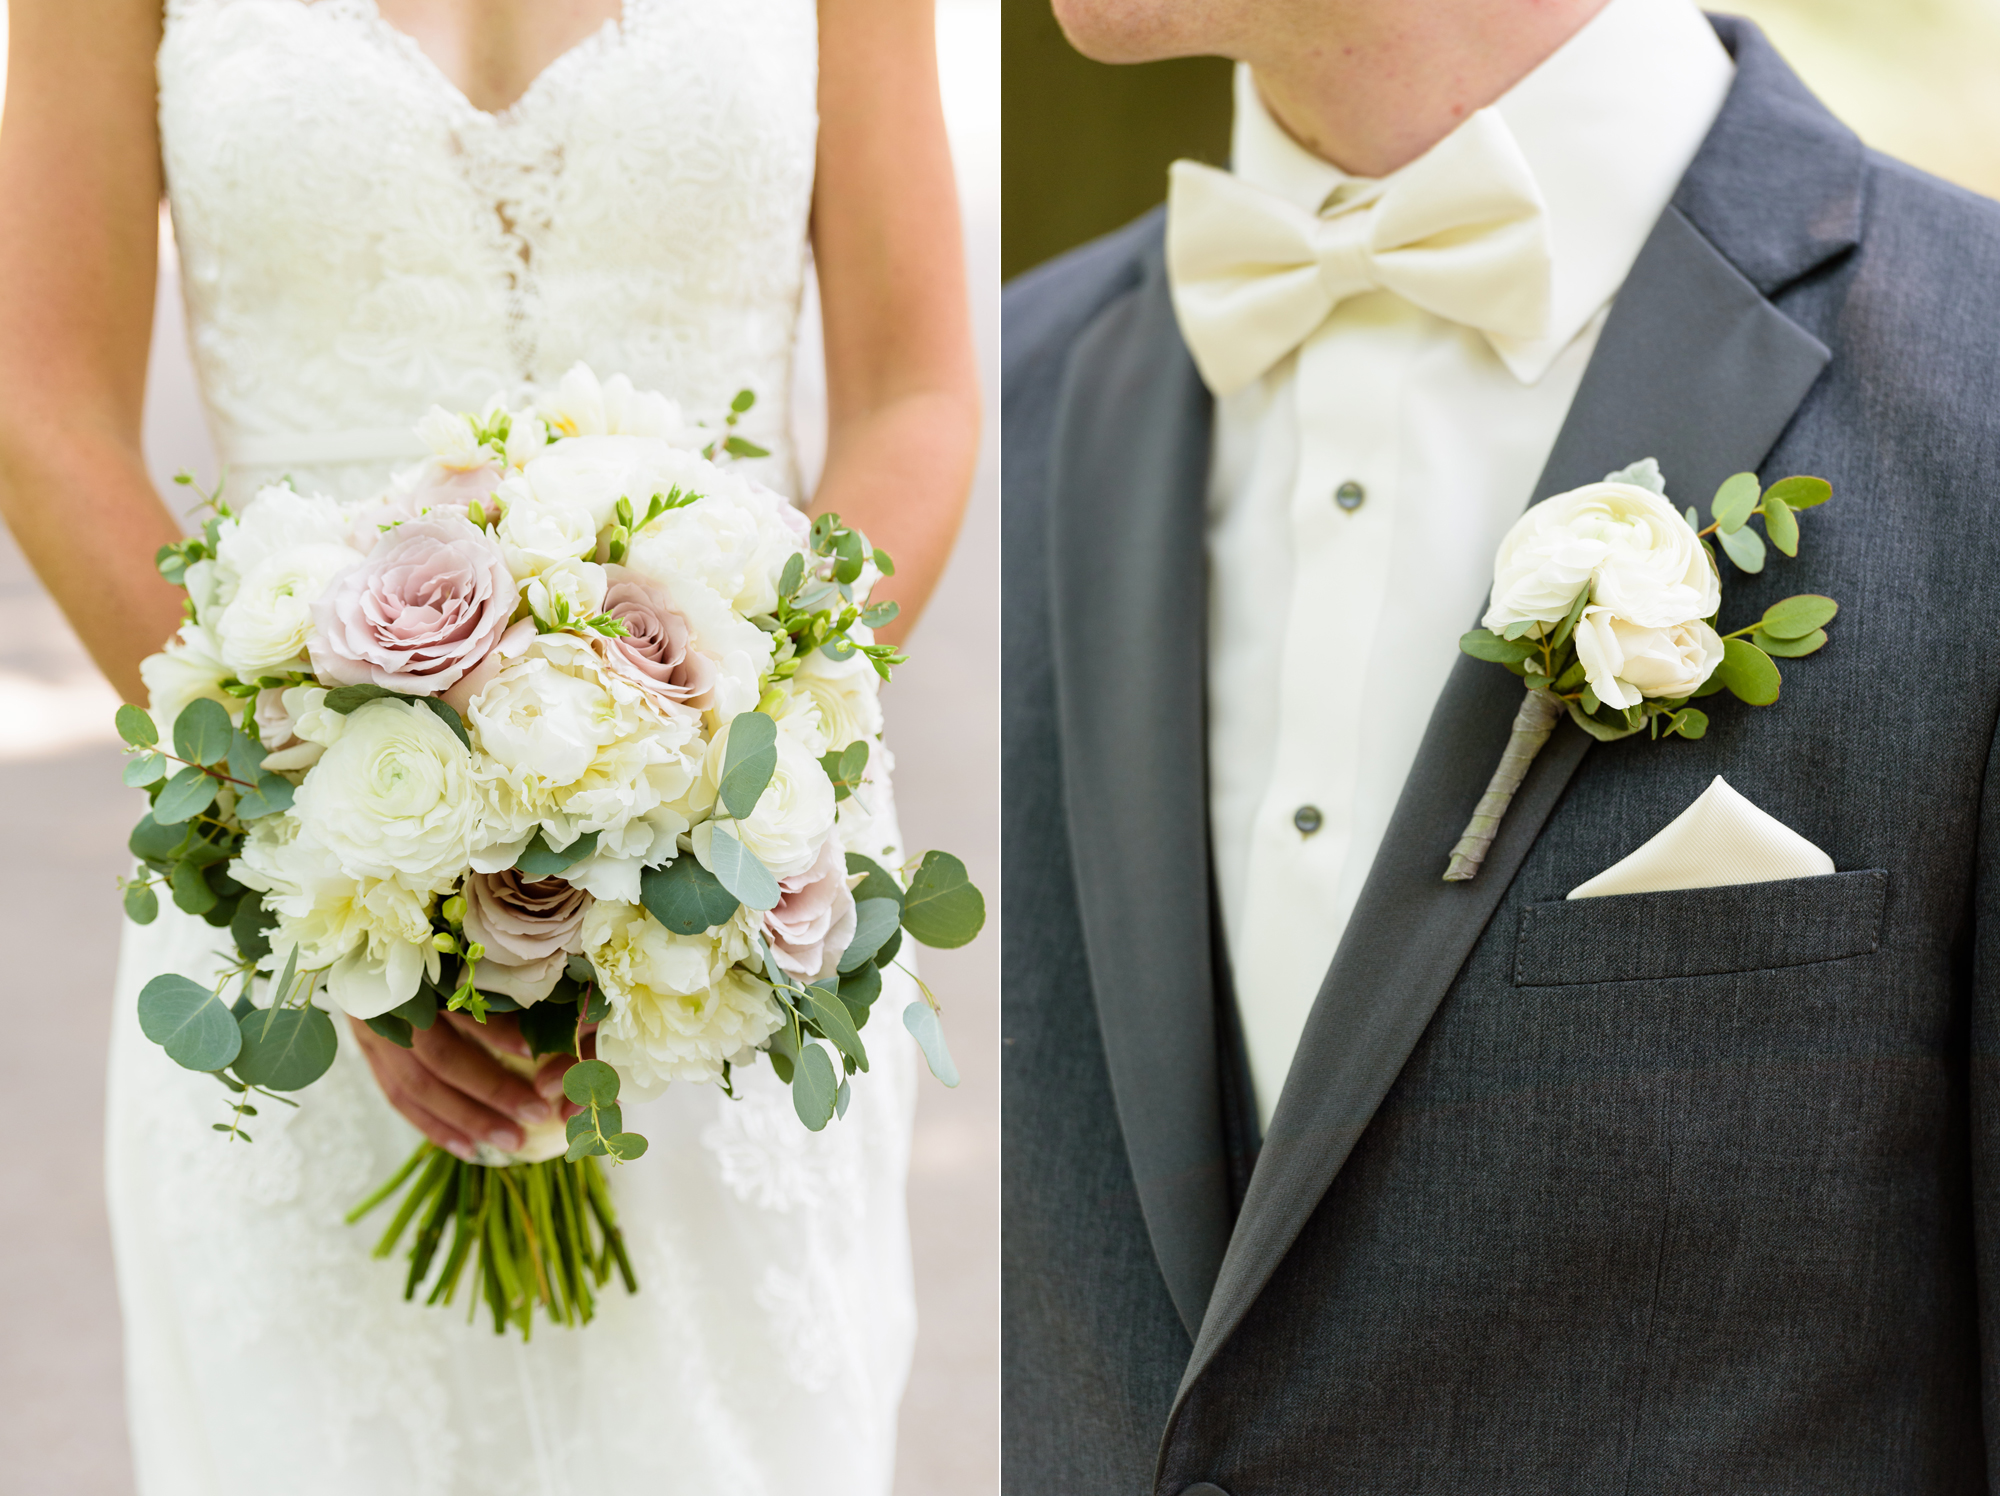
{"points": [[1605, 603]]}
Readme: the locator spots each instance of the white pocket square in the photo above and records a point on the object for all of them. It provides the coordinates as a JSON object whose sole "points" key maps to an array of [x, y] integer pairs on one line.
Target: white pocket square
{"points": [[1721, 838]]}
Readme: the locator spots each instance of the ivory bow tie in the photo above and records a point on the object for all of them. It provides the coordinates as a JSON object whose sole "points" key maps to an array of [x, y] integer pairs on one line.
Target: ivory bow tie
{"points": [[1459, 232]]}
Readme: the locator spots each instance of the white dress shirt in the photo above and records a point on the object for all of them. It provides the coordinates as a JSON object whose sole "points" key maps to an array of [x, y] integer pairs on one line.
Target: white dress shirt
{"points": [[1358, 491]]}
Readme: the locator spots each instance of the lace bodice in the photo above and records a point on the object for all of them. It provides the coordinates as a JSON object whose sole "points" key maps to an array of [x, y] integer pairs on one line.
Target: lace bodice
{"points": [[359, 241]]}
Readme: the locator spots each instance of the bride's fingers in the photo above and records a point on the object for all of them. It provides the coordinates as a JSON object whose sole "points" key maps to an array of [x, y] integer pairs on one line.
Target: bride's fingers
{"points": [[463, 1066], [406, 1085], [500, 1031]]}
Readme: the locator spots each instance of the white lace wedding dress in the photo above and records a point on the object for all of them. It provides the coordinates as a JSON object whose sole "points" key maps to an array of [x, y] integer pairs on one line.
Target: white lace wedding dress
{"points": [[357, 242]]}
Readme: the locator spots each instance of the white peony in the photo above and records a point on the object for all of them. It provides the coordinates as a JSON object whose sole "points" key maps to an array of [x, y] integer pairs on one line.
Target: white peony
{"points": [[372, 936], [792, 819], [735, 539], [394, 797], [847, 692], [265, 627], [592, 473], [1635, 553], [679, 1005], [583, 405], [189, 668], [1626, 662], [569, 747], [535, 534]]}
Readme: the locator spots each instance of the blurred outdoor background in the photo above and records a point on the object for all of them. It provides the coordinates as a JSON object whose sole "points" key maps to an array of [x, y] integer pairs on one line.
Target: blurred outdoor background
{"points": [[1087, 146], [62, 1428]]}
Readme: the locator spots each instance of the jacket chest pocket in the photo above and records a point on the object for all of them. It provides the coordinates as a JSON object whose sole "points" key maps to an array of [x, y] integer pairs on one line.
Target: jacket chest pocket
{"points": [[1700, 931]]}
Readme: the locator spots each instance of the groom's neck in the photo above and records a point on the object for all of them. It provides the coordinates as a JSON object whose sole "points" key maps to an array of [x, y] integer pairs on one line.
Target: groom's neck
{"points": [[1369, 85], [1375, 91]]}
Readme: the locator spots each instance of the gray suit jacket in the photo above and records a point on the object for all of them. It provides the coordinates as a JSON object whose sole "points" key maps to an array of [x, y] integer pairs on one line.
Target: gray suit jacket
{"points": [[1671, 1192]]}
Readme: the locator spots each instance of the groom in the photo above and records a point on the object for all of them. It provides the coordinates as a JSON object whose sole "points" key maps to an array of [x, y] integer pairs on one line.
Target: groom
{"points": [[1324, 1175]]}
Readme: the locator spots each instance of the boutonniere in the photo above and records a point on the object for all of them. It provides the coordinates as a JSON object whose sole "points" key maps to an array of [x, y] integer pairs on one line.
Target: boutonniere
{"points": [[1605, 602]]}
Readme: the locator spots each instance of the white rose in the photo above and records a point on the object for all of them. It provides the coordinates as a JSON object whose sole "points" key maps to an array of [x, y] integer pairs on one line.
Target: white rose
{"points": [[848, 694], [792, 819], [1625, 662], [189, 668], [1629, 546], [679, 1006], [582, 405], [536, 534], [578, 586], [394, 797], [371, 935], [265, 627]]}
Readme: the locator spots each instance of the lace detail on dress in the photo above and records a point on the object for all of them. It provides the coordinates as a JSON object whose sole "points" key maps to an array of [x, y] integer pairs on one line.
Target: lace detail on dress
{"points": [[358, 241]]}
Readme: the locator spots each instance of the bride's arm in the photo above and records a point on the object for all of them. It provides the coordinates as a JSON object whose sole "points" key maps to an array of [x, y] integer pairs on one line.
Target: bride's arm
{"points": [[79, 232], [902, 390]]}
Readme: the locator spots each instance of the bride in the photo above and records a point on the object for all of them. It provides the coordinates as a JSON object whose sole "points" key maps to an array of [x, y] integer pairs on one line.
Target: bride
{"points": [[380, 205]]}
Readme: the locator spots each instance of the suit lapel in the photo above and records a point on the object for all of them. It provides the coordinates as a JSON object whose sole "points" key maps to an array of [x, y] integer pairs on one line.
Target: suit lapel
{"points": [[1694, 367], [1130, 470]]}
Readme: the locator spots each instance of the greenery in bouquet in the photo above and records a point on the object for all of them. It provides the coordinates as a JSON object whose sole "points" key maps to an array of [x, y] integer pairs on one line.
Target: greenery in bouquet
{"points": [[573, 722]]}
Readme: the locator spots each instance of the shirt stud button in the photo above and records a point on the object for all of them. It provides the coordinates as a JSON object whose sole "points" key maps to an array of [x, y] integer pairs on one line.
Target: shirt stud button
{"points": [[1307, 819], [1350, 496]]}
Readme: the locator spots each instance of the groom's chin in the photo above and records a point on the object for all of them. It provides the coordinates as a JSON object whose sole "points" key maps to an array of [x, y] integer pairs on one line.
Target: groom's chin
{"points": [[1141, 30]]}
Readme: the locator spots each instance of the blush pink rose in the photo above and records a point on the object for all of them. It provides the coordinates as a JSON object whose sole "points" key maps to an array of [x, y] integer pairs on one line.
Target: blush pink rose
{"points": [[814, 918], [428, 604], [529, 931], [433, 487], [657, 654]]}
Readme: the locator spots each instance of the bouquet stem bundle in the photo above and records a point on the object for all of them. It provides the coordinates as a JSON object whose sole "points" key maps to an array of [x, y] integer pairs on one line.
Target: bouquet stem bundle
{"points": [[533, 1234]]}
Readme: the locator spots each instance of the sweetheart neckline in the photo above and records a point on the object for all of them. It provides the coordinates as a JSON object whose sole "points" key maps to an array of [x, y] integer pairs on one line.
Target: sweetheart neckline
{"points": [[570, 57]]}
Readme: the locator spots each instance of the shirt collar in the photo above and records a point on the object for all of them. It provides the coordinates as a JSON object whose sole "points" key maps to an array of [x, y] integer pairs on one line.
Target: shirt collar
{"points": [[1608, 124]]}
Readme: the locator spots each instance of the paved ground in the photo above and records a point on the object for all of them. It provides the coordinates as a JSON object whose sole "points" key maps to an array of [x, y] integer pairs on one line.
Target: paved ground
{"points": [[63, 820]]}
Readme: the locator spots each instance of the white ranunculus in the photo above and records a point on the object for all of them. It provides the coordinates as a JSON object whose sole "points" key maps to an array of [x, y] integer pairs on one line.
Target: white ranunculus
{"points": [[583, 405], [395, 797], [848, 694], [579, 584], [371, 935], [265, 627], [189, 668], [679, 1007], [570, 747], [1626, 662], [535, 534], [798, 714], [1632, 549], [792, 819]]}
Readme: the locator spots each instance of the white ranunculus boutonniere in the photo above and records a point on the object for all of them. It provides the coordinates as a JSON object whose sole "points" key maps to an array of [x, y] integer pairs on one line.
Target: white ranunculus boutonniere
{"points": [[1605, 602]]}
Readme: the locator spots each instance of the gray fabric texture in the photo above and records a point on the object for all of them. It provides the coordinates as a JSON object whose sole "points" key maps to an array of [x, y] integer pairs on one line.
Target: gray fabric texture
{"points": [[1553, 1201]]}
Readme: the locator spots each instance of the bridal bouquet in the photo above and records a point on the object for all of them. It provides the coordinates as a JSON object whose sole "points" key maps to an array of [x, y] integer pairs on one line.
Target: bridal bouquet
{"points": [[571, 721]]}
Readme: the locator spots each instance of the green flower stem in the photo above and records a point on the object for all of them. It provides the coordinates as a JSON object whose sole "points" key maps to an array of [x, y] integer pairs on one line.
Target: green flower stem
{"points": [[544, 1235], [1540, 711]]}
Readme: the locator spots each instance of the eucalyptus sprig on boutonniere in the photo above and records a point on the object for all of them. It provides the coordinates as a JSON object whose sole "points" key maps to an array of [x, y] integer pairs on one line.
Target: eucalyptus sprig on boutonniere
{"points": [[1605, 601]]}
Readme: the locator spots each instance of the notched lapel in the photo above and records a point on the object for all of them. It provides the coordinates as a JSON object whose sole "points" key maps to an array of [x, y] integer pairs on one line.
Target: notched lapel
{"points": [[1130, 470], [1693, 367]]}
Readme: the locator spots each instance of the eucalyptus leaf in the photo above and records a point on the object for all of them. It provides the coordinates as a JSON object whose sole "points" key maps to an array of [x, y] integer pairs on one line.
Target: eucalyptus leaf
{"points": [[1597, 729], [921, 1019], [1781, 525], [836, 1023], [1796, 617], [538, 860], [739, 871], [626, 1146], [584, 1147], [813, 1087], [344, 699], [395, 1030], [1790, 649], [246, 757], [841, 1098], [1693, 517], [591, 1083], [1484, 644], [1747, 672], [136, 727], [876, 882], [1571, 678], [858, 991], [883, 562], [448, 714], [1645, 473], [850, 557], [190, 888], [202, 732], [144, 769], [152, 842], [1568, 626], [1735, 502], [250, 927], [1745, 548], [549, 1028], [793, 574], [142, 905], [271, 794], [839, 647], [942, 909], [1801, 492], [190, 1022], [286, 1049], [749, 762], [1690, 723], [420, 1011], [875, 920], [880, 615], [188, 793]]}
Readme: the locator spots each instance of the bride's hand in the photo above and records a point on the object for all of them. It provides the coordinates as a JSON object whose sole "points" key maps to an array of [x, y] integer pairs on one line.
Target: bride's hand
{"points": [[457, 1094]]}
